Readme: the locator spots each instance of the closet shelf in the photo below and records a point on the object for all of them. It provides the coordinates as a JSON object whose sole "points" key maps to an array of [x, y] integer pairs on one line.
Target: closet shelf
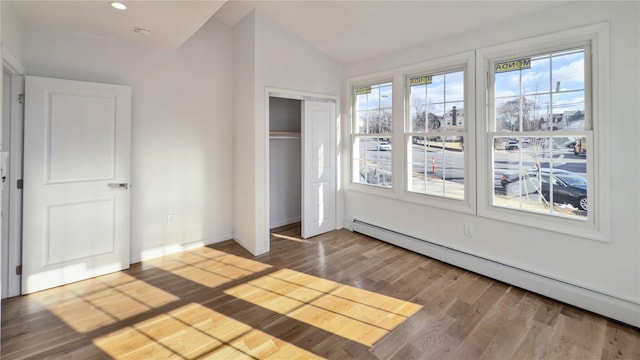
{"points": [[284, 135]]}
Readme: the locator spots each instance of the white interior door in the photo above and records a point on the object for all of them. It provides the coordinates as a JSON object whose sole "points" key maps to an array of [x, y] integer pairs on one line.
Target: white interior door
{"points": [[76, 174], [319, 168]]}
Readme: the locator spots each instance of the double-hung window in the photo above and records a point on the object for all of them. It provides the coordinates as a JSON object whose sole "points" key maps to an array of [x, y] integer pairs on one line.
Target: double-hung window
{"points": [[372, 129], [436, 133], [541, 130], [544, 130], [439, 123]]}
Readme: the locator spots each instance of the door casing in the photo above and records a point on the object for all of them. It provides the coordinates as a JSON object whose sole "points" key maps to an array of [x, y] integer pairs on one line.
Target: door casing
{"points": [[15, 69]]}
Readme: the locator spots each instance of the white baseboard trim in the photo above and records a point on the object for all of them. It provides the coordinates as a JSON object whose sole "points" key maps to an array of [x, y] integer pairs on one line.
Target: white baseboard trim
{"points": [[619, 309], [176, 248]]}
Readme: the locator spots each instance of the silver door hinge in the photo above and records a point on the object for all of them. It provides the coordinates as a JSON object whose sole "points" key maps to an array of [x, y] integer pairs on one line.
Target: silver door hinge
{"points": [[21, 98], [19, 270]]}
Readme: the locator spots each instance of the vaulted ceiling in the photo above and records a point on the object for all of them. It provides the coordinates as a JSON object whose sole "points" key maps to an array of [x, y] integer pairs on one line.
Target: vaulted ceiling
{"points": [[171, 22], [344, 30]]}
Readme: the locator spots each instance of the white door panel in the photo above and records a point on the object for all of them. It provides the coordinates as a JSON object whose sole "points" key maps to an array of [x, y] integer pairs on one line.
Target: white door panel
{"points": [[319, 173], [81, 146], [76, 146], [66, 238]]}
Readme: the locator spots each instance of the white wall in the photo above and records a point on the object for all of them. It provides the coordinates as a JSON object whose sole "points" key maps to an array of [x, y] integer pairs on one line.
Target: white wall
{"points": [[610, 268], [181, 127], [244, 228], [12, 30], [284, 61]]}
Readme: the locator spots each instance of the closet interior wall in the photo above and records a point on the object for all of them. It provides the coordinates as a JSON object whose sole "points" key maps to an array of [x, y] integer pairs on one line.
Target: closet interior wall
{"points": [[285, 161]]}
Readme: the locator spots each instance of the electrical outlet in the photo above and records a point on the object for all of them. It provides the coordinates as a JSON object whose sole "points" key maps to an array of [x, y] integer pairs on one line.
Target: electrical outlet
{"points": [[468, 230], [169, 219]]}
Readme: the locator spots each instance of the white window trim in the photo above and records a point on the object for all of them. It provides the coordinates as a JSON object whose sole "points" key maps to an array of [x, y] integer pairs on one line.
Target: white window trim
{"points": [[464, 61], [598, 225]]}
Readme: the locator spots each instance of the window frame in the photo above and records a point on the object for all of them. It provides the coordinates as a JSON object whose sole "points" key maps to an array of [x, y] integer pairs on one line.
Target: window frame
{"points": [[466, 62], [381, 78], [597, 224]]}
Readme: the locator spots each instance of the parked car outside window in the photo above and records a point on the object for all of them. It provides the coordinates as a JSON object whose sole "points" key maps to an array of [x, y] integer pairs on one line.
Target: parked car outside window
{"points": [[568, 187], [512, 145], [384, 146]]}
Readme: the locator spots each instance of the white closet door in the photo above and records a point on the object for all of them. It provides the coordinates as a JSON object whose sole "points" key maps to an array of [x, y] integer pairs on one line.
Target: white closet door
{"points": [[319, 168]]}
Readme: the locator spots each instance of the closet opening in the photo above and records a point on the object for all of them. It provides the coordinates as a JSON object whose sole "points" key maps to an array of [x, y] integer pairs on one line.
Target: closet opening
{"points": [[285, 161]]}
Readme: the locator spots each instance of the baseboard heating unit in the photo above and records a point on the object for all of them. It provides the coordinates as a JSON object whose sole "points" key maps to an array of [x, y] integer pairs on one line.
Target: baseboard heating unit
{"points": [[613, 307]]}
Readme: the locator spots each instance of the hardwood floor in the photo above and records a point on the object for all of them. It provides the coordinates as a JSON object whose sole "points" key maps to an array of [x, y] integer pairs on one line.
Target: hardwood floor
{"points": [[340, 295]]}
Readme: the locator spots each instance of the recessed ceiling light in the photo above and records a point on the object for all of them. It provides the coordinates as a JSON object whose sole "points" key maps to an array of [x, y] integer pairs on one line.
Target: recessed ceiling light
{"points": [[142, 31], [118, 5]]}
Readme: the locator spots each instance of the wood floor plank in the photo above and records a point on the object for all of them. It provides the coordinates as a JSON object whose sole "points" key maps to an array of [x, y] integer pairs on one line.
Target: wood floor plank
{"points": [[432, 338], [485, 334], [526, 309], [621, 342], [534, 342], [548, 311], [392, 342], [339, 295]]}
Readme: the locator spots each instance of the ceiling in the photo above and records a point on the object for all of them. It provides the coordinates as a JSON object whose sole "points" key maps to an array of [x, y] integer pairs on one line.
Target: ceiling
{"points": [[354, 30], [344, 30], [171, 22]]}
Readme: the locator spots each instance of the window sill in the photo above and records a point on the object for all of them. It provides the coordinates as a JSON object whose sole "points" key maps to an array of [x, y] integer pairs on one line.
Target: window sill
{"points": [[373, 190]]}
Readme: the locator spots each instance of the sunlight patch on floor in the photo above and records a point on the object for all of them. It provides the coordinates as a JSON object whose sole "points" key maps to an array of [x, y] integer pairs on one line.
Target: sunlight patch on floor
{"points": [[194, 331], [287, 237], [102, 301], [208, 267], [352, 313]]}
